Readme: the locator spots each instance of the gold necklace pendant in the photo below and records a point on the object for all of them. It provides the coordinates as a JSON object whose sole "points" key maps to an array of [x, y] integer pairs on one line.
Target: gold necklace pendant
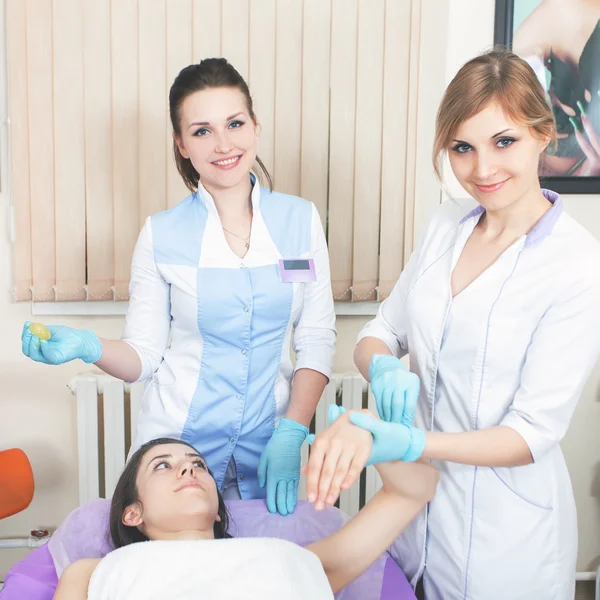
{"points": [[245, 240]]}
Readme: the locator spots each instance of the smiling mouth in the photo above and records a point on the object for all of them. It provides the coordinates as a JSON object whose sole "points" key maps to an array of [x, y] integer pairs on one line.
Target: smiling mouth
{"points": [[227, 162], [491, 187]]}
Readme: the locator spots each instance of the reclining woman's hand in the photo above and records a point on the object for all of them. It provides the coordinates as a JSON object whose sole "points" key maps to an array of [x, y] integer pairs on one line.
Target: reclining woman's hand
{"points": [[338, 456]]}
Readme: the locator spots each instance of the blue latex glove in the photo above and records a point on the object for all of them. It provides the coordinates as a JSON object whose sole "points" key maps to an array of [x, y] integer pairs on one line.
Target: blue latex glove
{"points": [[279, 466], [395, 388], [65, 344], [391, 441]]}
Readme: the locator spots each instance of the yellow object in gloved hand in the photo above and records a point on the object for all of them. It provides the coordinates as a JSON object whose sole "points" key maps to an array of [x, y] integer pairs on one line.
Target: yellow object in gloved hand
{"points": [[40, 330], [58, 344]]}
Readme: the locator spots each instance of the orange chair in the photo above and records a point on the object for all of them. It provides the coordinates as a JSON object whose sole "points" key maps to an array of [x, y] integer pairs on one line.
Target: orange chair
{"points": [[16, 482]]}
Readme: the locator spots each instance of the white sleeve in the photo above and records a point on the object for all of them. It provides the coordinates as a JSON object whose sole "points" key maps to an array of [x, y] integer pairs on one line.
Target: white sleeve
{"points": [[562, 353], [148, 320], [391, 323], [314, 334]]}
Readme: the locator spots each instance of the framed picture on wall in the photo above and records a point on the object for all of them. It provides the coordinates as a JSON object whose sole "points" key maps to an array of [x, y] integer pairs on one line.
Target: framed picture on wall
{"points": [[560, 39]]}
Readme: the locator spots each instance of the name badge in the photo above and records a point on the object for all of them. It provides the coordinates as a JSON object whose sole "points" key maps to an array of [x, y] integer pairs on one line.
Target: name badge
{"points": [[297, 270]]}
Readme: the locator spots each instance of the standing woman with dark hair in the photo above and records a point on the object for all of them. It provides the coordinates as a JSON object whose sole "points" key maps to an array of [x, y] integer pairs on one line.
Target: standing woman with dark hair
{"points": [[220, 286], [498, 309]]}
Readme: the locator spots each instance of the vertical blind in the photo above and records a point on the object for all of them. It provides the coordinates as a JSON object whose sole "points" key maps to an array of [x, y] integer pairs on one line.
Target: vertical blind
{"points": [[345, 91]]}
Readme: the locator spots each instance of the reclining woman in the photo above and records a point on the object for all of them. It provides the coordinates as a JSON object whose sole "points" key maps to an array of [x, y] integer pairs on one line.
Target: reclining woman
{"points": [[167, 494]]}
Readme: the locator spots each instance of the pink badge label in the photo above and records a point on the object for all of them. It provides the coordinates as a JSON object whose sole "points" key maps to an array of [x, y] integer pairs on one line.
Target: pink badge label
{"points": [[297, 270]]}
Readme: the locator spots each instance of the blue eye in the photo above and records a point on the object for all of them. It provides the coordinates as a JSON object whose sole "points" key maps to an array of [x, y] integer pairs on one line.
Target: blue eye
{"points": [[200, 463], [236, 124], [505, 142], [158, 466], [201, 132], [461, 148]]}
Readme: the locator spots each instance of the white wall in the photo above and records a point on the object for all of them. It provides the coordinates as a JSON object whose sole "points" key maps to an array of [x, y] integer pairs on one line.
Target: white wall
{"points": [[37, 411]]}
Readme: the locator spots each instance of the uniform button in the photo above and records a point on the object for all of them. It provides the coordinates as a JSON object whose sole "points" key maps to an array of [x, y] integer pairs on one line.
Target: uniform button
{"points": [[231, 440], [242, 477], [238, 396], [242, 265], [246, 309], [244, 351]]}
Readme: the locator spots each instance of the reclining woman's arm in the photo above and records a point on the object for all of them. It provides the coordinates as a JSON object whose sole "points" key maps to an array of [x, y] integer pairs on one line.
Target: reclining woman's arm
{"points": [[74, 582], [349, 552]]}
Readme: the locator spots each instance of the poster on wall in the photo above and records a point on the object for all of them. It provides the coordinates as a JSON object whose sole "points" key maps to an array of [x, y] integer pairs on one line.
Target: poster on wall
{"points": [[560, 39]]}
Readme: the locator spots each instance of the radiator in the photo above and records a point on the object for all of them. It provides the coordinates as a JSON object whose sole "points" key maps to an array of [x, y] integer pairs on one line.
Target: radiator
{"points": [[107, 410]]}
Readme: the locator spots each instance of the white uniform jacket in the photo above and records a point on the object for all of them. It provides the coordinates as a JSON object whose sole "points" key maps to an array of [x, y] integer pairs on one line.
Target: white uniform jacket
{"points": [[514, 348], [213, 331]]}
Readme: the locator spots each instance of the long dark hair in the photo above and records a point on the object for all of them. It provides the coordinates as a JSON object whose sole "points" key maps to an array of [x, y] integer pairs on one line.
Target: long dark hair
{"points": [[209, 73], [126, 493]]}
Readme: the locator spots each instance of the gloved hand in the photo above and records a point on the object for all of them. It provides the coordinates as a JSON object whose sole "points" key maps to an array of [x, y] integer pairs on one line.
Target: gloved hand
{"points": [[395, 388], [65, 344], [279, 466], [391, 441]]}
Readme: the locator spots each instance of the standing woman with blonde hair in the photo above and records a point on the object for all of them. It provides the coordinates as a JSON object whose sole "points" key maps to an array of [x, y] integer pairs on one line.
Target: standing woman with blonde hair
{"points": [[499, 311]]}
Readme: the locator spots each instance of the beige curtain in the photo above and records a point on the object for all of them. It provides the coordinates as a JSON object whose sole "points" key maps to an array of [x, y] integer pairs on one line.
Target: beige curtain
{"points": [[345, 91]]}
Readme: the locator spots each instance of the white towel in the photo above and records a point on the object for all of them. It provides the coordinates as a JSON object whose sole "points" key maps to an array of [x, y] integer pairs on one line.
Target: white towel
{"points": [[231, 569]]}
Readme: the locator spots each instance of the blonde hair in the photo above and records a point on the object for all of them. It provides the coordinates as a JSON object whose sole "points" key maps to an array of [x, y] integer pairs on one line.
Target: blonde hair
{"points": [[495, 76]]}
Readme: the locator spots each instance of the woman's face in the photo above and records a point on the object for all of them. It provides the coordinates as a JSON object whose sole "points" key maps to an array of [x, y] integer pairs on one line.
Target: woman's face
{"points": [[218, 136], [176, 494], [495, 159]]}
